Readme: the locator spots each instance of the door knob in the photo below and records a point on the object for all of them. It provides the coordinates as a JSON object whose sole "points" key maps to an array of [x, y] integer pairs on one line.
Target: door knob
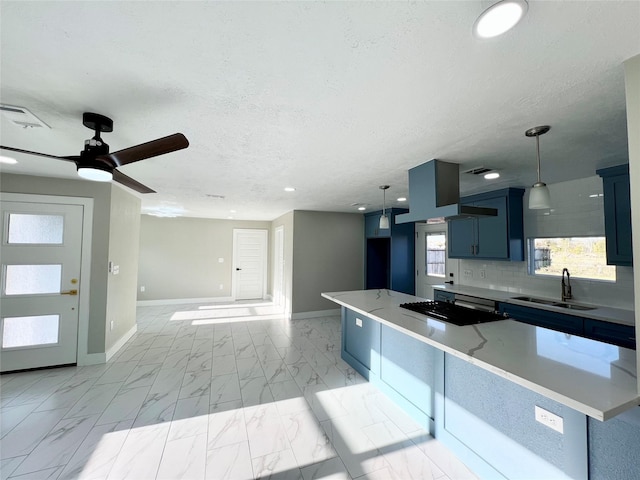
{"points": [[69, 292], [237, 269]]}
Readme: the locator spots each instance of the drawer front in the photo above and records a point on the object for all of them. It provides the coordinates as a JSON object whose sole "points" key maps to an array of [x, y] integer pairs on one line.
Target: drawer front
{"points": [[544, 318], [621, 335]]}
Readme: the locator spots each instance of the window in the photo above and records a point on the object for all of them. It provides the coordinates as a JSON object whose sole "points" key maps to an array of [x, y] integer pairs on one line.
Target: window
{"points": [[584, 257], [435, 249]]}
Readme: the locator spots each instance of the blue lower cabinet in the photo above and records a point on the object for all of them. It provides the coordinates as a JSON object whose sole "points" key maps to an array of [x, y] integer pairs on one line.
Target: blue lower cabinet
{"points": [[544, 318], [489, 423], [360, 342], [400, 366], [621, 335]]}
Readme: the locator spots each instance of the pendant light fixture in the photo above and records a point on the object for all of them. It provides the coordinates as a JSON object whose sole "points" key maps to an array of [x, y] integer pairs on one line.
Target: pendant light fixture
{"points": [[539, 197], [384, 220]]}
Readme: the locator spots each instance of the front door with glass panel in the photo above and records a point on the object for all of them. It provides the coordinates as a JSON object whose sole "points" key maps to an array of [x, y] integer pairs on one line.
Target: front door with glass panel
{"points": [[431, 258], [41, 253]]}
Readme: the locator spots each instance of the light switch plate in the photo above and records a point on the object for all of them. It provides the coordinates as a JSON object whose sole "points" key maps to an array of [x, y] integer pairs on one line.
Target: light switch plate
{"points": [[549, 419], [358, 322]]}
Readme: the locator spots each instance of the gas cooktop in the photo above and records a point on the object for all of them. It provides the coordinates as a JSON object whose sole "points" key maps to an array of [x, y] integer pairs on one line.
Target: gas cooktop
{"points": [[448, 312]]}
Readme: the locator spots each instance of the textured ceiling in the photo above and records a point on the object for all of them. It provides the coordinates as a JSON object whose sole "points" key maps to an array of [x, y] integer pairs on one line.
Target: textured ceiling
{"points": [[333, 98]]}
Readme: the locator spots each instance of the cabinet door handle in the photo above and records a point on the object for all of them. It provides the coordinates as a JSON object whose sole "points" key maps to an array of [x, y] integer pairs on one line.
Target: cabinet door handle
{"points": [[472, 249]]}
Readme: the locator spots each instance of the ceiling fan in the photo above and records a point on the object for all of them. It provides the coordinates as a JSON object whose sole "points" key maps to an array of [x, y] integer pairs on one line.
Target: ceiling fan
{"points": [[96, 163]]}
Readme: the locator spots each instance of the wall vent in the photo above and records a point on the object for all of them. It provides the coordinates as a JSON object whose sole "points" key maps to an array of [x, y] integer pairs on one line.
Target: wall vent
{"points": [[478, 170], [21, 117]]}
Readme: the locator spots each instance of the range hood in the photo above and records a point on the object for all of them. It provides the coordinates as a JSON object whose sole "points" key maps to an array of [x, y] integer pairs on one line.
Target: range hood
{"points": [[434, 192]]}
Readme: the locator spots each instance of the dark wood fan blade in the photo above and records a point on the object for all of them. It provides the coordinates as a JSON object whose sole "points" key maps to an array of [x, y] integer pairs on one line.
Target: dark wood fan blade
{"points": [[29, 152], [169, 144], [130, 182]]}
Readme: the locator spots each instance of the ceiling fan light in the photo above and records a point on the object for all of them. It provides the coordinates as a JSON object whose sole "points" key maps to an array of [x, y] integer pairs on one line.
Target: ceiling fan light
{"points": [[539, 197], [384, 222], [499, 18], [95, 174]]}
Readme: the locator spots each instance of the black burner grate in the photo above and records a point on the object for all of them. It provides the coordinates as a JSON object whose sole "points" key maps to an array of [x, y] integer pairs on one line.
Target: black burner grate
{"points": [[448, 312]]}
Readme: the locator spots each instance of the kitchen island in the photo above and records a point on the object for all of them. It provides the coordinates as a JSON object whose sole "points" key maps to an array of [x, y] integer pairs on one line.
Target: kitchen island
{"points": [[479, 387]]}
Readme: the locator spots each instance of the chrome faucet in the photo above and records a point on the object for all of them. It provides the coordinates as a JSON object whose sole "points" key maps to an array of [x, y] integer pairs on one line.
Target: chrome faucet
{"points": [[566, 286]]}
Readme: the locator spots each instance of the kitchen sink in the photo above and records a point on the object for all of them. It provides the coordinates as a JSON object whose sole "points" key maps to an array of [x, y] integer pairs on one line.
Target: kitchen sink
{"points": [[553, 303], [535, 300]]}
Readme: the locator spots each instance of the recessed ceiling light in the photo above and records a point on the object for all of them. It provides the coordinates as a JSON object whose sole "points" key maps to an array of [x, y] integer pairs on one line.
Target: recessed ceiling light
{"points": [[402, 199], [499, 18], [362, 208], [289, 189], [229, 218], [8, 160], [491, 175], [232, 211]]}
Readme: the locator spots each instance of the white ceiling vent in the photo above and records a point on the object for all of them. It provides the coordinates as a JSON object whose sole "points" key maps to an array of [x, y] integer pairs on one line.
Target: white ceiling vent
{"points": [[478, 170], [22, 117]]}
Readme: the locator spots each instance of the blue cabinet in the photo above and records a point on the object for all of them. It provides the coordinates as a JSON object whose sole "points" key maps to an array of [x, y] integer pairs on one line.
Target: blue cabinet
{"points": [[360, 342], [441, 296], [390, 253], [617, 214], [490, 238], [544, 318], [621, 335], [616, 334]]}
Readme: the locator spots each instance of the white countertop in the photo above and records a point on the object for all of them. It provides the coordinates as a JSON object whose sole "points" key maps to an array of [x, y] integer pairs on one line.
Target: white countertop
{"points": [[595, 378], [606, 314]]}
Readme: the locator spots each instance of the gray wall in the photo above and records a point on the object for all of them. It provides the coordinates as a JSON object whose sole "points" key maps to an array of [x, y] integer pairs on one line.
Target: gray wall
{"points": [[179, 257], [101, 193], [285, 221], [328, 256], [124, 242]]}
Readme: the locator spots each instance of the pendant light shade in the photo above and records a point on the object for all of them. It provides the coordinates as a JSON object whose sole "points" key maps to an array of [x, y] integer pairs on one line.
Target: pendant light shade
{"points": [[384, 220], [539, 197]]}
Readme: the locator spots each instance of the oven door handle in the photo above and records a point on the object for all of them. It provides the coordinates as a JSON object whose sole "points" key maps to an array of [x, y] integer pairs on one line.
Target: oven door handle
{"points": [[474, 306]]}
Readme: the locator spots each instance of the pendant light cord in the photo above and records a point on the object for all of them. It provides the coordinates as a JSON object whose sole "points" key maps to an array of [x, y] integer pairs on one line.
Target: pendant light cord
{"points": [[538, 154]]}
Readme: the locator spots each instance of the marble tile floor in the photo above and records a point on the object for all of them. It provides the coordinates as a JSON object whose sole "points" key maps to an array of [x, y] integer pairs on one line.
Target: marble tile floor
{"points": [[229, 391]]}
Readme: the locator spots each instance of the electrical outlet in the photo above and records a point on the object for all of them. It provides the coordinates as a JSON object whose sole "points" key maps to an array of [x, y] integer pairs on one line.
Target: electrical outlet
{"points": [[483, 274], [221, 286], [142, 288], [116, 269], [358, 322], [112, 324], [468, 273], [549, 419], [220, 260]]}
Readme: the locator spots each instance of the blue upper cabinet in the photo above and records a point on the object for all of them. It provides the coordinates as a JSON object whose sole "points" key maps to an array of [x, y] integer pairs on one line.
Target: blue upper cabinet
{"points": [[390, 253], [490, 238], [617, 214]]}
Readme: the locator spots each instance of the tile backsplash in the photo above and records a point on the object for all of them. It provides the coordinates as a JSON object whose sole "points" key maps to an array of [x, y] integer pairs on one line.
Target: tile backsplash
{"points": [[577, 211]]}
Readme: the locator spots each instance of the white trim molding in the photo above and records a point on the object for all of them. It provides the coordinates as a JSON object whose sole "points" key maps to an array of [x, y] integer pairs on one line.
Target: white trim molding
{"points": [[316, 314], [120, 343], [183, 301]]}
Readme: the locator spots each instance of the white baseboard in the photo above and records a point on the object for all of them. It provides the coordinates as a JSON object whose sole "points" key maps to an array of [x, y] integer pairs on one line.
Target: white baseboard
{"points": [[180, 301], [319, 313], [92, 359], [118, 345]]}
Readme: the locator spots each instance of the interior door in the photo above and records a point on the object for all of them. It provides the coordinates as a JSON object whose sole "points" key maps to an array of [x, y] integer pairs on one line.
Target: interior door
{"points": [[41, 260], [250, 263], [431, 258]]}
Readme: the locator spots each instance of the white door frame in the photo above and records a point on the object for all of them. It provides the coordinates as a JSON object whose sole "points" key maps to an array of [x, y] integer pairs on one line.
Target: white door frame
{"points": [[265, 250], [451, 265], [278, 259], [83, 356]]}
